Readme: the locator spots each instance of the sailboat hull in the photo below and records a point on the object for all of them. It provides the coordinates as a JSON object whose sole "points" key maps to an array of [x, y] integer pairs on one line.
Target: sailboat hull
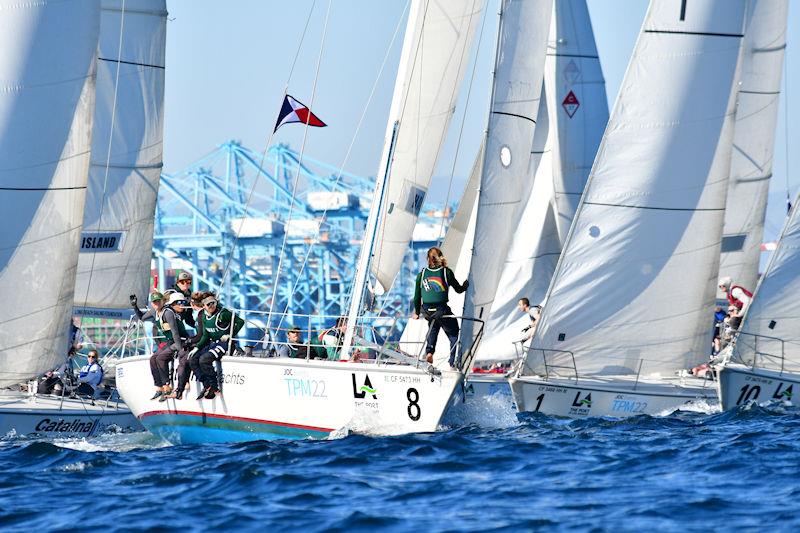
{"points": [[22, 414], [617, 396], [278, 398], [740, 384]]}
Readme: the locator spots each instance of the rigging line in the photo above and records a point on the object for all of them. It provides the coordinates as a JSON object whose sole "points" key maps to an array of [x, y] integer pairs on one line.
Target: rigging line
{"points": [[269, 140], [463, 121], [786, 123], [323, 218], [277, 274], [108, 151]]}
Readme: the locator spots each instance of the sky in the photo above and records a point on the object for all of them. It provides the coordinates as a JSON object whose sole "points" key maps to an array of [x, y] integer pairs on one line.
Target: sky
{"points": [[229, 63]]}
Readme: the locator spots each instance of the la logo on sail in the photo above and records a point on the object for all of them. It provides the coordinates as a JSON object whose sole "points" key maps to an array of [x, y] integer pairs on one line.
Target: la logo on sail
{"points": [[362, 391]]}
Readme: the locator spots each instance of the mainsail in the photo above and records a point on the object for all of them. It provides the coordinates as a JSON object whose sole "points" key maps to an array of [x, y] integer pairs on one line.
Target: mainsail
{"points": [[48, 77], [567, 135], [775, 309], [754, 139], [432, 64], [635, 283], [505, 180], [117, 240]]}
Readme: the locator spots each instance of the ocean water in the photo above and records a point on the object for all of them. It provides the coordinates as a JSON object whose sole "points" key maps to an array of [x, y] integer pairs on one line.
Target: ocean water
{"points": [[688, 471]]}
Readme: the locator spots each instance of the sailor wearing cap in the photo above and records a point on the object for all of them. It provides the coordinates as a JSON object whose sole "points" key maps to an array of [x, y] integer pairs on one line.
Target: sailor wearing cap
{"points": [[183, 285]]}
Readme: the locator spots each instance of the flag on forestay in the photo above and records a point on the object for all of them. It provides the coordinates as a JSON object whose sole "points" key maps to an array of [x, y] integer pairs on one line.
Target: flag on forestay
{"points": [[294, 111]]}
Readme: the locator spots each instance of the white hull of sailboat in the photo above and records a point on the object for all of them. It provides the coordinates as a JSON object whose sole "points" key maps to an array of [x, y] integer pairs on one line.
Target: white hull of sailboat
{"points": [[283, 398], [22, 414], [614, 396], [740, 385]]}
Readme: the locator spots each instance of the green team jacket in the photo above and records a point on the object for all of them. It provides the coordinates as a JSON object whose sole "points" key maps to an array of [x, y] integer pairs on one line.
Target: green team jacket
{"points": [[432, 285], [217, 325]]}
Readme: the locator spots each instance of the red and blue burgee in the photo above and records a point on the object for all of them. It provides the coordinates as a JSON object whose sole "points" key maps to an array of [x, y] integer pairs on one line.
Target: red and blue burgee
{"points": [[294, 111]]}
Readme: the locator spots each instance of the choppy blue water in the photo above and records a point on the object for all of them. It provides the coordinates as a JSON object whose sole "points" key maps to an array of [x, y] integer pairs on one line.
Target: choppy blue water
{"points": [[688, 471]]}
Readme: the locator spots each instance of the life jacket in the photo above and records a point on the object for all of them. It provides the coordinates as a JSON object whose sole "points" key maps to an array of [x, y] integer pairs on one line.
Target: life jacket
{"points": [[734, 301], [85, 369], [214, 326], [164, 325], [433, 285]]}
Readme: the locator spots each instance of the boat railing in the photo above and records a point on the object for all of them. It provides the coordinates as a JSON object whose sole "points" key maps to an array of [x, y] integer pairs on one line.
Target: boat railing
{"points": [[553, 363], [763, 351]]}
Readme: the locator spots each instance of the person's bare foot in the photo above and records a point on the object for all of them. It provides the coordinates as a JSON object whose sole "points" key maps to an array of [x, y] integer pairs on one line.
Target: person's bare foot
{"points": [[429, 358]]}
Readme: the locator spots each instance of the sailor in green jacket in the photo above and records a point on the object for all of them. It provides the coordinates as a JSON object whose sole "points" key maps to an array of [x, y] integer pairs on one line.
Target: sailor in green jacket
{"points": [[430, 297], [213, 344]]}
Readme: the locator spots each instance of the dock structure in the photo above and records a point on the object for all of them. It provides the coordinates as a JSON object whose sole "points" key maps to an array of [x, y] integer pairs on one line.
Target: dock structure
{"points": [[233, 215]]}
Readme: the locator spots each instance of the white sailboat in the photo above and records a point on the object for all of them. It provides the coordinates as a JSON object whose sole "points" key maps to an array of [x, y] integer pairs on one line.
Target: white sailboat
{"points": [[282, 397], [48, 59], [627, 308], [754, 140], [123, 94], [764, 363]]}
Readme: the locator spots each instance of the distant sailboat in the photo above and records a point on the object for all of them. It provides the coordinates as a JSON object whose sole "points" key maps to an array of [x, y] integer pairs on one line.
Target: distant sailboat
{"points": [[628, 305]]}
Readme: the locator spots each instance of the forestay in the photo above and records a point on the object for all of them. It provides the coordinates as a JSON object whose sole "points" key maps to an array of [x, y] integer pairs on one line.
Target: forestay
{"points": [[117, 240], [775, 309], [754, 140], [635, 283], [576, 114], [432, 64], [47, 74], [505, 180]]}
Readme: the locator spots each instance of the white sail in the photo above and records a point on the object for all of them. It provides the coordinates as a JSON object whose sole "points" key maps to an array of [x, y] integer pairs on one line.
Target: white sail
{"points": [[434, 57], [576, 114], [635, 283], [754, 139], [505, 180], [117, 239], [775, 309], [47, 74]]}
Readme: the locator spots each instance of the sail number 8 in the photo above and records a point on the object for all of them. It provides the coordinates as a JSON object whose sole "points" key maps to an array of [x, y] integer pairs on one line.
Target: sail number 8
{"points": [[413, 409]]}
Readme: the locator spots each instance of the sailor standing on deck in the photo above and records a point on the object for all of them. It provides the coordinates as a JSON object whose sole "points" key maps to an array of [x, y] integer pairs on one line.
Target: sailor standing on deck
{"points": [[430, 298], [175, 334], [213, 344], [738, 297]]}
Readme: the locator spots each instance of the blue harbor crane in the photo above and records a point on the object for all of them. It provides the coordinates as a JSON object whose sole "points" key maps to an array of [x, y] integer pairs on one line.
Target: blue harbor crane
{"points": [[232, 215]]}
